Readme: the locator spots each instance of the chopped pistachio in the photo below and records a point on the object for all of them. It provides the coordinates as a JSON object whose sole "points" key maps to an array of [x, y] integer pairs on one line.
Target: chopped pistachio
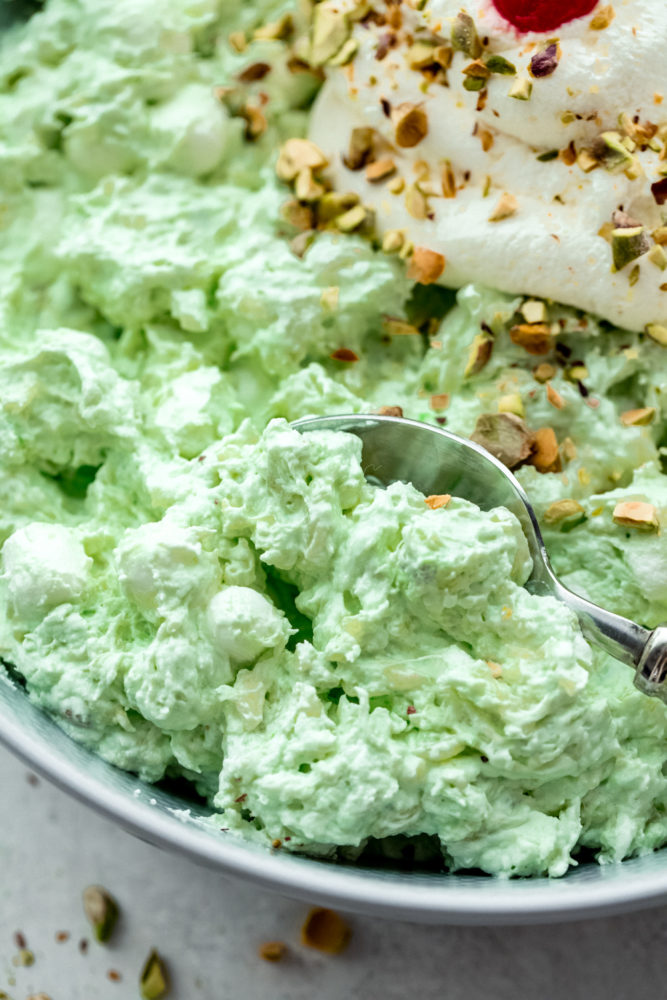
{"points": [[275, 30], [561, 510], [477, 69], [361, 148], [543, 372], [474, 83], [602, 18], [393, 241], [397, 327], [498, 64], [297, 155], [330, 30], [505, 436], [464, 36], [634, 170], [346, 53], [421, 54], [627, 245], [586, 161], [534, 311], [330, 297], [406, 250], [396, 186], [521, 89], [545, 457], [633, 277], [426, 266], [380, 170], [479, 354], [273, 951], [535, 338], [390, 411], [660, 235], [448, 180], [237, 40], [325, 930], [636, 514], [638, 418], [411, 124], [352, 219], [577, 373], [611, 153], [306, 187], [300, 243], [101, 910], [437, 500], [551, 154], [507, 205], [658, 333], [545, 62], [554, 397], [439, 401], [416, 202], [298, 215], [153, 982], [486, 138], [334, 203], [568, 449], [628, 143], [511, 403], [657, 256], [256, 123]]}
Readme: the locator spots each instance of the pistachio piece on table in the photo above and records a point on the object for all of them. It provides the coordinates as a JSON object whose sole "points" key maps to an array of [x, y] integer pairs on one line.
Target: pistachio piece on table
{"points": [[153, 982], [273, 951], [325, 930], [101, 910]]}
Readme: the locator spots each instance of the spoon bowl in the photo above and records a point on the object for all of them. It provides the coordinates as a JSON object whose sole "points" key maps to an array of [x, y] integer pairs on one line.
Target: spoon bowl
{"points": [[434, 460]]}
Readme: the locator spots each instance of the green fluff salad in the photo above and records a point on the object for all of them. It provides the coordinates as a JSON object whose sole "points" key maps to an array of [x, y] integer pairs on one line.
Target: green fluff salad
{"points": [[194, 590]]}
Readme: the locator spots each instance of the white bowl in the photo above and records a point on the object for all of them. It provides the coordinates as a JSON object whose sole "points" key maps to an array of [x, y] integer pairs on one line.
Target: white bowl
{"points": [[167, 821]]}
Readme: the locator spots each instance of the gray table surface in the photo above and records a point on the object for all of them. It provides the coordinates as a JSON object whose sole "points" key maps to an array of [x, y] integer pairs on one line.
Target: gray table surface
{"points": [[209, 929]]}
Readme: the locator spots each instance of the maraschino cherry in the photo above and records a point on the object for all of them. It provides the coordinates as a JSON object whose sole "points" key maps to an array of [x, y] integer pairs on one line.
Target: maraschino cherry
{"points": [[542, 15]]}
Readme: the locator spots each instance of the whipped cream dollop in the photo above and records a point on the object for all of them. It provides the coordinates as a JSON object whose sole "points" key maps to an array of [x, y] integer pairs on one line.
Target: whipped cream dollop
{"points": [[545, 179]]}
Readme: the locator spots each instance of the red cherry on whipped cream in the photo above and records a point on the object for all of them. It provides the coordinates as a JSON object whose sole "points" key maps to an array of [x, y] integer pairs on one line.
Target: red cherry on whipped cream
{"points": [[542, 15]]}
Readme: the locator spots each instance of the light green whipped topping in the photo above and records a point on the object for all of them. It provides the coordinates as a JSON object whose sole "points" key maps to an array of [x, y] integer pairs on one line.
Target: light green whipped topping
{"points": [[192, 588]]}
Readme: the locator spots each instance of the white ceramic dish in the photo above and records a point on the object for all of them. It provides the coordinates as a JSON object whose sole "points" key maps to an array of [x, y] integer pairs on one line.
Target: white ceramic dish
{"points": [[161, 819]]}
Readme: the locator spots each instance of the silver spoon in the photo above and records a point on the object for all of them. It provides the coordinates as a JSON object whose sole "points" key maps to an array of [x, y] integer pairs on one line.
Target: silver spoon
{"points": [[436, 461]]}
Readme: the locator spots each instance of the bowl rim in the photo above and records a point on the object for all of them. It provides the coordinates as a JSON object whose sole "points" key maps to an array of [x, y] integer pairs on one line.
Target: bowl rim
{"points": [[479, 900]]}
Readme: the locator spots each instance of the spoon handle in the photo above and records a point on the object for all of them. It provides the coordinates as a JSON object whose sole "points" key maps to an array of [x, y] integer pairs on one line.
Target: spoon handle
{"points": [[625, 640]]}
